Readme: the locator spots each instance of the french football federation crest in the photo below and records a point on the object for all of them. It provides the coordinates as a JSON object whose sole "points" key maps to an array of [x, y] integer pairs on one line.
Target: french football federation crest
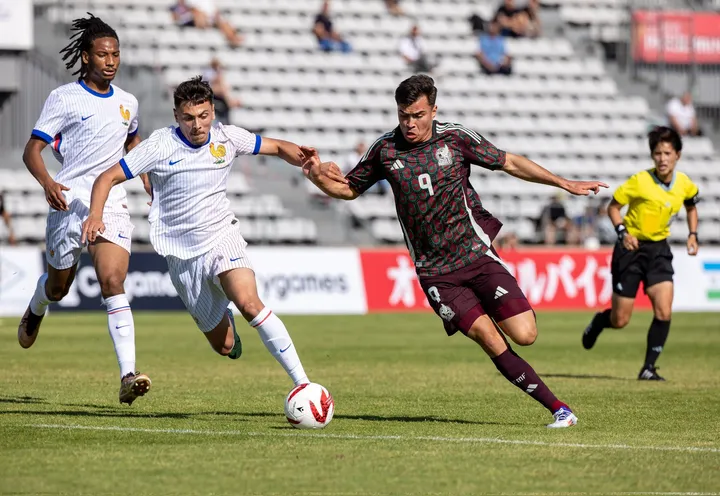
{"points": [[218, 153], [125, 114], [444, 156], [446, 312]]}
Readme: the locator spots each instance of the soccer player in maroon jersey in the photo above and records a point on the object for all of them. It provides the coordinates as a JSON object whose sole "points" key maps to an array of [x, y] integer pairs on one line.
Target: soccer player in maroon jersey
{"points": [[449, 233]]}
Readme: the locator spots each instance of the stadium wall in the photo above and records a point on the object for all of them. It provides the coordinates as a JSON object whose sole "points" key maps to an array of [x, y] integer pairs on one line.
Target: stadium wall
{"points": [[358, 281]]}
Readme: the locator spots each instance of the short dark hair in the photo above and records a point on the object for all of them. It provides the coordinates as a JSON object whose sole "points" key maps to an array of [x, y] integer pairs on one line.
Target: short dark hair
{"points": [[662, 134], [415, 87], [87, 30], [195, 91]]}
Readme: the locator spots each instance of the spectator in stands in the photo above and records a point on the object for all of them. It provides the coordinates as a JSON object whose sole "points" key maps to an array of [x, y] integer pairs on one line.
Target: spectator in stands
{"points": [[393, 7], [508, 242], [203, 14], [605, 229], [554, 218], [413, 51], [328, 39], [353, 158], [518, 22], [492, 54], [6, 217], [477, 24], [681, 114], [183, 15], [224, 100]]}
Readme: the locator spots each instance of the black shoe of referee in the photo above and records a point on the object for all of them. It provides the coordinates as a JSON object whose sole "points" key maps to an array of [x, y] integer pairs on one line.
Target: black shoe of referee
{"points": [[649, 373]]}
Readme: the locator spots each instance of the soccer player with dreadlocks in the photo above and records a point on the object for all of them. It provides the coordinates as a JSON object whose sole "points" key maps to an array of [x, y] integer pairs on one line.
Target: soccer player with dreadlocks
{"points": [[90, 124]]}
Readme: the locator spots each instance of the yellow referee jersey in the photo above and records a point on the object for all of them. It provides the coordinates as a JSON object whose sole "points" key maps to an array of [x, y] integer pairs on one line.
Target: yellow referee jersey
{"points": [[652, 204]]}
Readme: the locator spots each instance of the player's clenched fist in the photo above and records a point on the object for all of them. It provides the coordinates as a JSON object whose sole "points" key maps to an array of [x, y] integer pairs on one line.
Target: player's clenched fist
{"points": [[313, 167], [54, 195], [91, 228]]}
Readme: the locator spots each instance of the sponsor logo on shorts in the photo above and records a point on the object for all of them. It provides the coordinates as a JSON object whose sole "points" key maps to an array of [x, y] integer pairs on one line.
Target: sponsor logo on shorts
{"points": [[500, 292], [235, 259], [122, 237], [446, 312]]}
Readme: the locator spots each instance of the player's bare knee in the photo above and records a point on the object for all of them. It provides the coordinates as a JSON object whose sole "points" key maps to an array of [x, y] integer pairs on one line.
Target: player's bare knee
{"points": [[663, 313], [526, 335], [56, 292], [250, 308], [112, 285], [619, 320]]}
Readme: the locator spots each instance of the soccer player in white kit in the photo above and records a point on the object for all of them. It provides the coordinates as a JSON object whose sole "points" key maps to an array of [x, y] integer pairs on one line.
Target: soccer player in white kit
{"points": [[89, 124], [192, 225]]}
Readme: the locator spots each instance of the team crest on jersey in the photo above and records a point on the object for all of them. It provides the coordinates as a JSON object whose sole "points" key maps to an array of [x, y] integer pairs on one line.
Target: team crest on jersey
{"points": [[52, 253], [444, 156], [218, 153], [125, 114]]}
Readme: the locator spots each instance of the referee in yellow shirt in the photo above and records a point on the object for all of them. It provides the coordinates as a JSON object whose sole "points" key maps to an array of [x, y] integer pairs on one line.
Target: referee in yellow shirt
{"points": [[642, 253]]}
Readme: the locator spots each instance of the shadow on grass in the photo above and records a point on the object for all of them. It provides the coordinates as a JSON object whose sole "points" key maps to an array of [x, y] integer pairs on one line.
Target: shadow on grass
{"points": [[378, 418], [104, 413], [23, 400], [587, 376]]}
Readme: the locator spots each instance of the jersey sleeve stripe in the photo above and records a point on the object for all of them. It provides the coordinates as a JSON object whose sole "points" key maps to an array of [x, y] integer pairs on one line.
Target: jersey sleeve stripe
{"points": [[43, 136], [126, 169], [258, 143]]}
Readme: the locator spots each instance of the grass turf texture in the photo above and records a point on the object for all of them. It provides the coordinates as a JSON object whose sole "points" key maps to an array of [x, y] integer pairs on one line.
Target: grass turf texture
{"points": [[390, 375]]}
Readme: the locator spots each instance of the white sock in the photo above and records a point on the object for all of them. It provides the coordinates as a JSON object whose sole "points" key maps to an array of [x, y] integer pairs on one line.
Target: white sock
{"points": [[40, 301], [278, 342], [122, 332]]}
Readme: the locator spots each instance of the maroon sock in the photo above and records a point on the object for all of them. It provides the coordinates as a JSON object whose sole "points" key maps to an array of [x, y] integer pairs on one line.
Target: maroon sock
{"points": [[519, 372]]}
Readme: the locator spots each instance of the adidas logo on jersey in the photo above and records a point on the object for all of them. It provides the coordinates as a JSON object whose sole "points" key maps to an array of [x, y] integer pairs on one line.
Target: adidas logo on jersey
{"points": [[500, 291], [397, 165]]}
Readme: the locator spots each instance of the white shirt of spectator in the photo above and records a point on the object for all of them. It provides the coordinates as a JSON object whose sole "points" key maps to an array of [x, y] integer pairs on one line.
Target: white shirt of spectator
{"points": [[683, 114], [412, 48], [207, 7], [351, 160], [87, 132], [190, 209]]}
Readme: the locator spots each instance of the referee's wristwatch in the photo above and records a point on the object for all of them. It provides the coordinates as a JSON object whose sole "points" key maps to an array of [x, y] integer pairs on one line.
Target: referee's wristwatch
{"points": [[694, 233], [621, 231]]}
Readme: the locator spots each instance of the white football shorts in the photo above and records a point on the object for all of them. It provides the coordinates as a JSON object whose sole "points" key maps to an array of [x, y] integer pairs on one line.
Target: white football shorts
{"points": [[64, 230], [196, 279]]}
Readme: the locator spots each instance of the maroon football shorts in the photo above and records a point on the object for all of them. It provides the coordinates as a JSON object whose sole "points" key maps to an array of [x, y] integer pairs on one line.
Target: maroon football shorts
{"points": [[483, 287]]}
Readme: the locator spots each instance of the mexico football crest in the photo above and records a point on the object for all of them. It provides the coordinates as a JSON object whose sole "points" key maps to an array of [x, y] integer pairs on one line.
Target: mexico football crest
{"points": [[444, 156]]}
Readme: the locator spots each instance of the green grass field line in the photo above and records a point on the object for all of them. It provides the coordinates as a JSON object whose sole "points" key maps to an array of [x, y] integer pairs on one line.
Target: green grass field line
{"points": [[417, 413]]}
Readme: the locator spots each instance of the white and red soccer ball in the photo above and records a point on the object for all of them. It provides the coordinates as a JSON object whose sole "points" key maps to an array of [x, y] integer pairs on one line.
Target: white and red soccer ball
{"points": [[309, 406]]}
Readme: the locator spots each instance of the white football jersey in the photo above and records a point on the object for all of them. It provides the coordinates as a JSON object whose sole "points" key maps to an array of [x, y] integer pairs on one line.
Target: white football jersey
{"points": [[190, 210], [87, 131]]}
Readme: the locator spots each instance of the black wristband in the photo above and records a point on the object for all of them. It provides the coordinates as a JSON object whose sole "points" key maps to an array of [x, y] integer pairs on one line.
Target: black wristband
{"points": [[693, 233], [621, 231]]}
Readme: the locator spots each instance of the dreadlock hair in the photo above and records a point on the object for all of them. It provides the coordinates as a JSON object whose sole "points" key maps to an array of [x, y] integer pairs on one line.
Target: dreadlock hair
{"points": [[87, 30]]}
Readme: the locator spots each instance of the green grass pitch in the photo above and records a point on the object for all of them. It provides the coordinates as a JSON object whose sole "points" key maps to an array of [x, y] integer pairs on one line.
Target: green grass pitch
{"points": [[417, 413]]}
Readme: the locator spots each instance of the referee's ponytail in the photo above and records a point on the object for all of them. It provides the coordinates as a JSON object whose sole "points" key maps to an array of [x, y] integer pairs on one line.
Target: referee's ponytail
{"points": [[86, 30], [662, 134]]}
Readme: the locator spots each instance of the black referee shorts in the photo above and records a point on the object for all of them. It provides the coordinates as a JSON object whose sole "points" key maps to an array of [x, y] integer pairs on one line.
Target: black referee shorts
{"points": [[649, 264]]}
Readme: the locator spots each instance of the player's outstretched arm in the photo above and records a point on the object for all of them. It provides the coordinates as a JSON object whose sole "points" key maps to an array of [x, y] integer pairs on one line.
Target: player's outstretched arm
{"points": [[286, 150], [100, 191], [327, 176], [32, 156], [524, 168]]}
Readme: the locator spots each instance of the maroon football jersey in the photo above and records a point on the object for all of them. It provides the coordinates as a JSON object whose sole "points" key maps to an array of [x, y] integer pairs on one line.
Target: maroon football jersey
{"points": [[444, 222]]}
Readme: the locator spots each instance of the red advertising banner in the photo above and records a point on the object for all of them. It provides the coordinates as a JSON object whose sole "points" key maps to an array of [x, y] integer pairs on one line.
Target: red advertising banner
{"points": [[676, 37], [550, 279]]}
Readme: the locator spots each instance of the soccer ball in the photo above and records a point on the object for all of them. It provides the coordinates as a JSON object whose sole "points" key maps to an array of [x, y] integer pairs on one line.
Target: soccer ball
{"points": [[309, 406]]}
